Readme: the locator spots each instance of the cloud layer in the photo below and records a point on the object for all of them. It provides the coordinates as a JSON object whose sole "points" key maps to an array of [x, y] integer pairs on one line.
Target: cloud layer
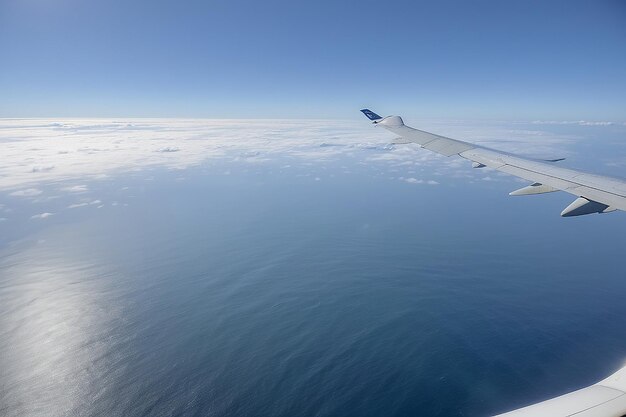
{"points": [[37, 151], [54, 168]]}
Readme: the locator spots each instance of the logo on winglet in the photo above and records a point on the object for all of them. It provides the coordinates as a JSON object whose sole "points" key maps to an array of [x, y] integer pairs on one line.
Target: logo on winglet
{"points": [[370, 114]]}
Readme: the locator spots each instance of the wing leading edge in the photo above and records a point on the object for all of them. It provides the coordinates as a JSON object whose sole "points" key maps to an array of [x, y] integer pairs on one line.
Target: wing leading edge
{"points": [[594, 193]]}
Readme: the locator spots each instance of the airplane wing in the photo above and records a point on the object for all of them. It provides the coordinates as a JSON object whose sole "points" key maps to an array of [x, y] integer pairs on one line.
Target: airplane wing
{"points": [[594, 193], [607, 398]]}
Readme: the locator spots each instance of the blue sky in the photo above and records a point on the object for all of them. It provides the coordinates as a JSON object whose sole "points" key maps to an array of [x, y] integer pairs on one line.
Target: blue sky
{"points": [[499, 59]]}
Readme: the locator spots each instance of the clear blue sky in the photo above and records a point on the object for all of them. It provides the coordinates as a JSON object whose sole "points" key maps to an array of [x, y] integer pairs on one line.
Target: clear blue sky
{"points": [[496, 59]]}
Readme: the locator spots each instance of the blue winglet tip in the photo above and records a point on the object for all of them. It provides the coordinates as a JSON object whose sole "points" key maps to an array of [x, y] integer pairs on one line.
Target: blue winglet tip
{"points": [[370, 114]]}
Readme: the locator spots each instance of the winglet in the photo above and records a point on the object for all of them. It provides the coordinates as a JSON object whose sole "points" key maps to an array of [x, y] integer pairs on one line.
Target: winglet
{"points": [[371, 115]]}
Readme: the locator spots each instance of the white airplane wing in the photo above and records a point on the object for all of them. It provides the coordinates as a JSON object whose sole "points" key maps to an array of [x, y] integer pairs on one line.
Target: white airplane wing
{"points": [[607, 398], [594, 193]]}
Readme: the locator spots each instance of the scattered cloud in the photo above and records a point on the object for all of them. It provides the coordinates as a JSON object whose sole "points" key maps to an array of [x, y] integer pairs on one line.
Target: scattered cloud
{"points": [[76, 189], [84, 204], [412, 180], [42, 215], [29, 192], [42, 168], [573, 122]]}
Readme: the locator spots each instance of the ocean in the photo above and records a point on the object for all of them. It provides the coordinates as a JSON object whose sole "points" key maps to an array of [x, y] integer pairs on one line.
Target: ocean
{"points": [[289, 287]]}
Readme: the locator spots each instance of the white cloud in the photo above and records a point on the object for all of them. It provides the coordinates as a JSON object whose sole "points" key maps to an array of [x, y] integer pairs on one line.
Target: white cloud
{"points": [[412, 180], [29, 192], [585, 123], [88, 149], [76, 189], [84, 204], [42, 151], [42, 215], [573, 122], [42, 169]]}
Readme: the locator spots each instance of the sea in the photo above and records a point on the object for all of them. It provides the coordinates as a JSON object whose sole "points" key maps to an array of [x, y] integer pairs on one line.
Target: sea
{"points": [[275, 284]]}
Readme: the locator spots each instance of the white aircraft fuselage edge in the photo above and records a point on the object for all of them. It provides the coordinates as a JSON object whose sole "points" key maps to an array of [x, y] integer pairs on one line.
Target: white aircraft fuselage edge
{"points": [[594, 194]]}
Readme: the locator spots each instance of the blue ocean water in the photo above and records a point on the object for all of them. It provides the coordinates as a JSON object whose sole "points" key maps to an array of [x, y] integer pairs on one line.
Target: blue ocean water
{"points": [[268, 290]]}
